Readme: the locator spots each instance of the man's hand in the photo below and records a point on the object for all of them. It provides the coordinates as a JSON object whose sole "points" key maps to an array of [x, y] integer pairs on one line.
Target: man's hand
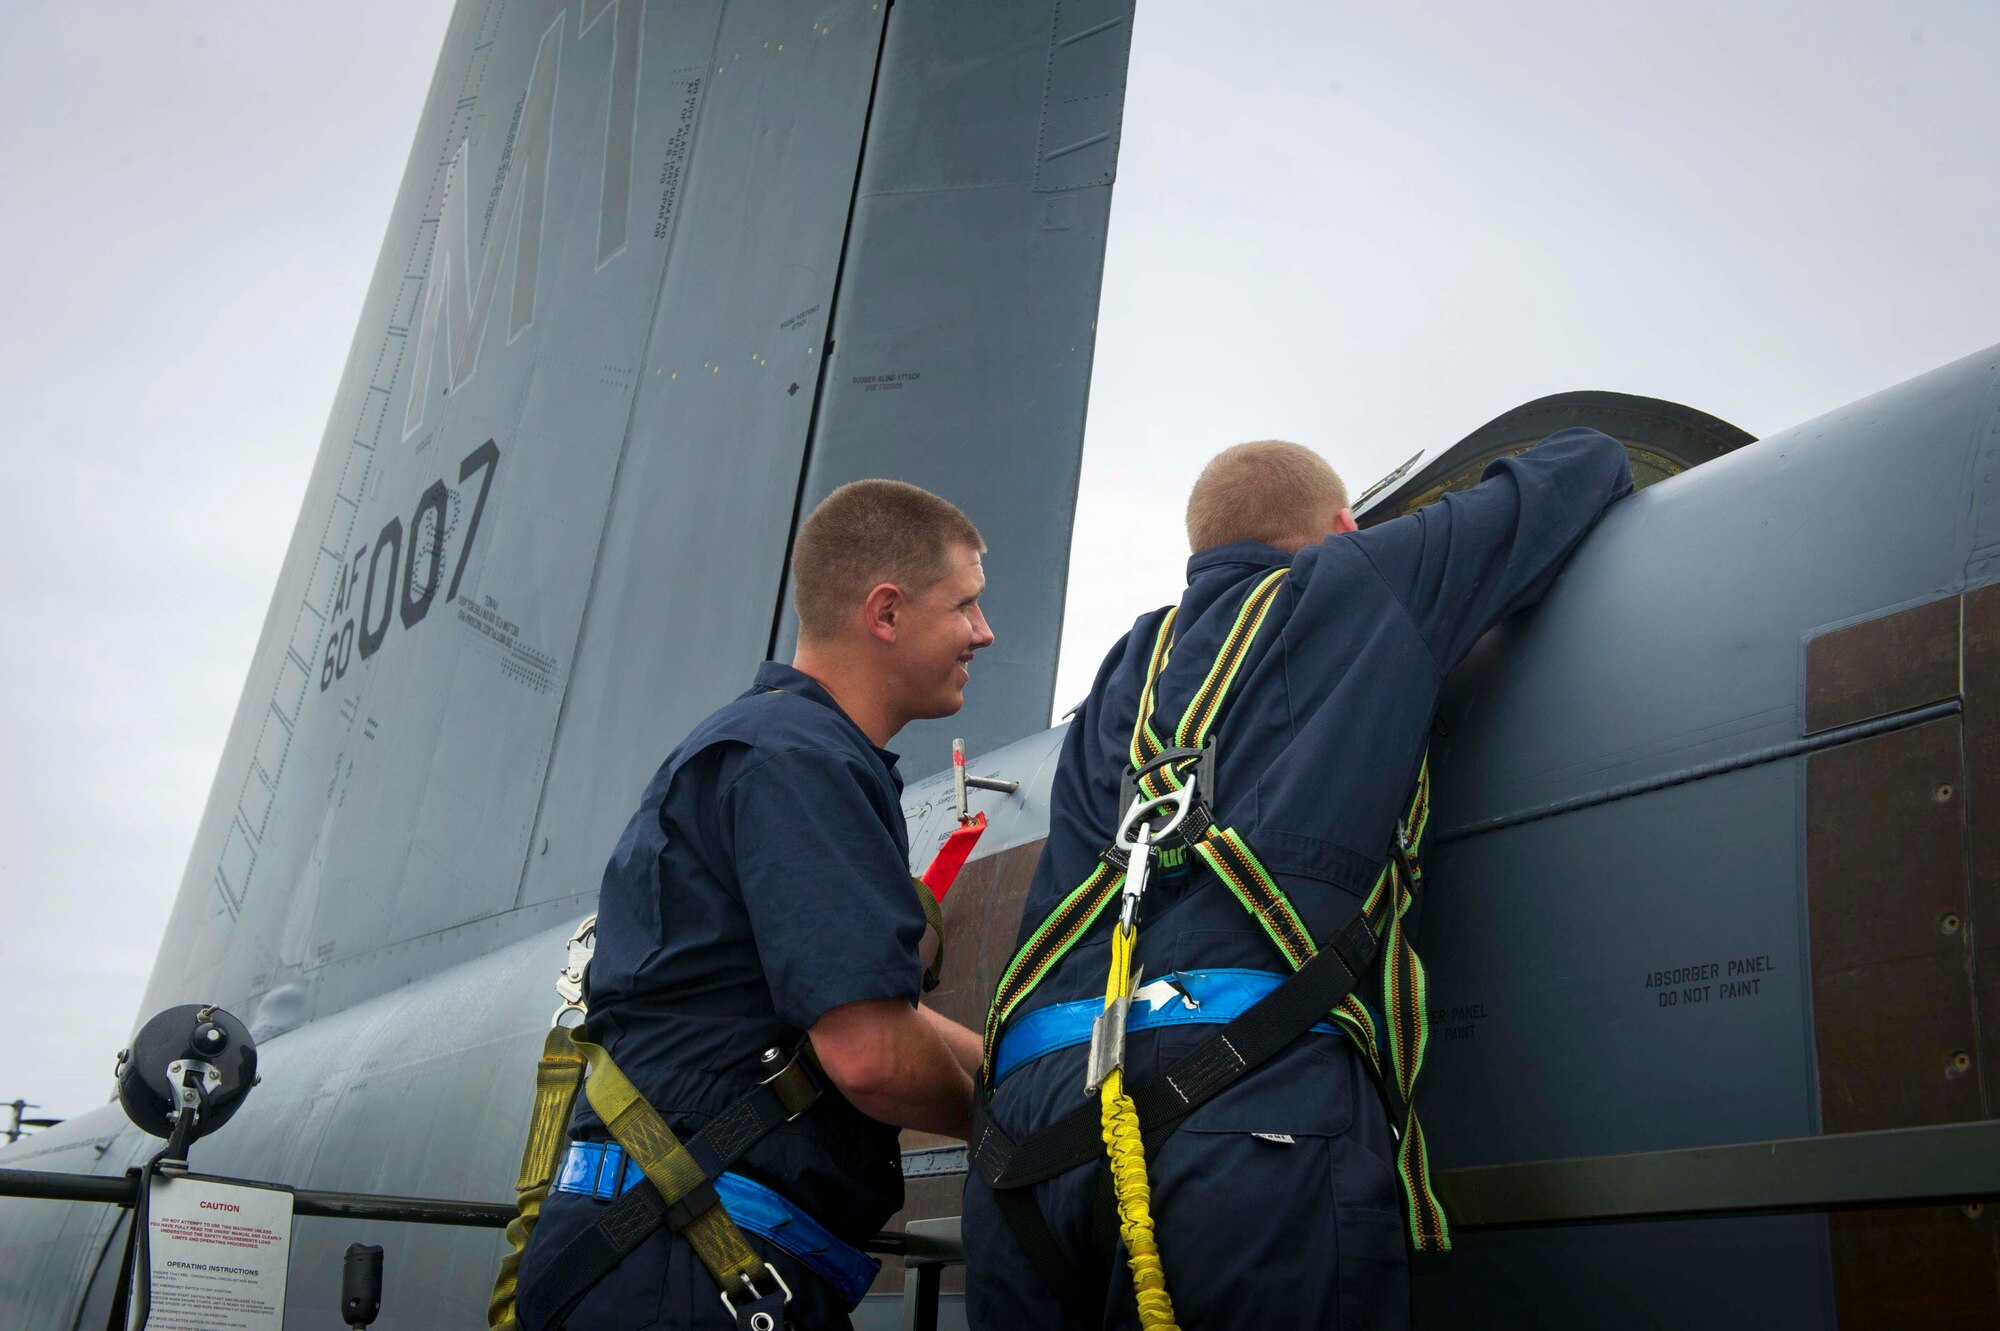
{"points": [[894, 1064]]}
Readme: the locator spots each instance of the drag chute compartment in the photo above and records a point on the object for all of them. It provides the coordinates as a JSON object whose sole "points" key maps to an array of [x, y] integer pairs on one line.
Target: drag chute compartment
{"points": [[1663, 439]]}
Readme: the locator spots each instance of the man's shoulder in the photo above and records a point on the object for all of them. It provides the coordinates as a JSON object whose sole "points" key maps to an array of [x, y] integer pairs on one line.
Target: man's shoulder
{"points": [[756, 717], [759, 725], [1345, 573]]}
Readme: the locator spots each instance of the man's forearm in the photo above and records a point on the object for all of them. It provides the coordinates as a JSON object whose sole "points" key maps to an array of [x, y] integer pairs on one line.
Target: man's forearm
{"points": [[965, 1044], [926, 1088], [938, 1100], [894, 1065]]}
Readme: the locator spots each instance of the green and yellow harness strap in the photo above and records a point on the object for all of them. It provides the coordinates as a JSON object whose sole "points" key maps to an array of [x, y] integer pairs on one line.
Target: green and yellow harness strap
{"points": [[1403, 988], [1146, 745], [1205, 707], [1078, 911], [1068, 922], [557, 1078]]}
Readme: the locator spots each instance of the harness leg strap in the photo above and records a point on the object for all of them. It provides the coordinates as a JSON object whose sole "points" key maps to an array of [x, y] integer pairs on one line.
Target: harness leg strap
{"points": [[1066, 1280], [1082, 1297]]}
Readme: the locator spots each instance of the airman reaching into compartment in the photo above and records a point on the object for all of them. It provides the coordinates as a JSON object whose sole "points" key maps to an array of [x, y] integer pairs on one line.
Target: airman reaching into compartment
{"points": [[1234, 831]]}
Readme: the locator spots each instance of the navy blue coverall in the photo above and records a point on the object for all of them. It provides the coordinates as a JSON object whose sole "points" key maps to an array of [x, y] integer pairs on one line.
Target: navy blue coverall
{"points": [[763, 881], [1276, 1203]]}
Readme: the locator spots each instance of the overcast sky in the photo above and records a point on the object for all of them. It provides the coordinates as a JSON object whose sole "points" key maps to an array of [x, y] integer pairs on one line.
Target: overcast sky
{"points": [[1370, 227]]}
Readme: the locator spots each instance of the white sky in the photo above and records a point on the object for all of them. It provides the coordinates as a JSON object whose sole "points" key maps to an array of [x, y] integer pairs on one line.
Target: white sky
{"points": [[1367, 226]]}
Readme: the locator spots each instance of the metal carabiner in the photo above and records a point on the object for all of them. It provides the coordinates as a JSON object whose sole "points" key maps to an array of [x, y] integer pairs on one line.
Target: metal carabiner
{"points": [[569, 984], [1138, 870], [1138, 837], [1144, 808]]}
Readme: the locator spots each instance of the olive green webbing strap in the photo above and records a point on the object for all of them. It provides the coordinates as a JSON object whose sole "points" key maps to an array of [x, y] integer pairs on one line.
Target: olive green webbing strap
{"points": [[556, 1080], [634, 1125], [638, 1127], [933, 910]]}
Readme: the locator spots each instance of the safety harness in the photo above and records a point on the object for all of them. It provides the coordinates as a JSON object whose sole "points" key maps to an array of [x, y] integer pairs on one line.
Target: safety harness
{"points": [[679, 1190], [681, 1181], [1168, 802]]}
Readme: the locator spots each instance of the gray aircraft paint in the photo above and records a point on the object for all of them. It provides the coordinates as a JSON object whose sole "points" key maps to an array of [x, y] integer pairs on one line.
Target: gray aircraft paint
{"points": [[517, 215], [621, 119], [387, 868], [966, 409], [1548, 925], [547, 527], [1619, 790], [1674, 642]]}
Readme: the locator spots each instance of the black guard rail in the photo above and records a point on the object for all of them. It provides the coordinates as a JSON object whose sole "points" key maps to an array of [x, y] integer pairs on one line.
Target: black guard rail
{"points": [[1926, 1166]]}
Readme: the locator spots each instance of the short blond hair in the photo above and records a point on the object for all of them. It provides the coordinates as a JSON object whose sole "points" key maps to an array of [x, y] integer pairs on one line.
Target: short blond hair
{"points": [[867, 533], [1268, 490]]}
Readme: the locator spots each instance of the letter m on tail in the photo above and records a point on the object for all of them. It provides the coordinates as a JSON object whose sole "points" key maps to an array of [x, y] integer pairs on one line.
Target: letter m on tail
{"points": [[450, 296]]}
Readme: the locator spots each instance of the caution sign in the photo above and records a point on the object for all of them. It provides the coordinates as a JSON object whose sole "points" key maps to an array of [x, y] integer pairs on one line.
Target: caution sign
{"points": [[217, 1253]]}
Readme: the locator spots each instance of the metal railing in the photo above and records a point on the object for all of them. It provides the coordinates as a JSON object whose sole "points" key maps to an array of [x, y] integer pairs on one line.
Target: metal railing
{"points": [[1927, 1166], [913, 1246]]}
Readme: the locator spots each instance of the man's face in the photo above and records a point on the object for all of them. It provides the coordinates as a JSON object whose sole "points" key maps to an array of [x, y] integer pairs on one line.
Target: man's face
{"points": [[939, 632]]}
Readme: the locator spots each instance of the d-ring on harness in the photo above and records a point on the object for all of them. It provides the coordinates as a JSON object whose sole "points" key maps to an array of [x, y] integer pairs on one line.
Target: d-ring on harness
{"points": [[1371, 945]]}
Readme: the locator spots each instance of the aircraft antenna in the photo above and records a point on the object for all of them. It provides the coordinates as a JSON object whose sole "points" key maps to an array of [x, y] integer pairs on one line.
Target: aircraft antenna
{"points": [[17, 1126]]}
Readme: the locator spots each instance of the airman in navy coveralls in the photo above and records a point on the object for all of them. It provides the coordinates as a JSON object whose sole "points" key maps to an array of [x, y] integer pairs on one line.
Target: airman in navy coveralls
{"points": [[1276, 1203], [761, 894]]}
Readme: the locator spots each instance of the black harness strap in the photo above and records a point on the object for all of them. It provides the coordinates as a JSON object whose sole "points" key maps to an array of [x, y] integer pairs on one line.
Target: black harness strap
{"points": [[1323, 980], [589, 1257], [1079, 1295], [1198, 1076]]}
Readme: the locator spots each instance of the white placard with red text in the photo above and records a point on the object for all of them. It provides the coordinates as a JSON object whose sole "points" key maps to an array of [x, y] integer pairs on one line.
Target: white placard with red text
{"points": [[218, 1253]]}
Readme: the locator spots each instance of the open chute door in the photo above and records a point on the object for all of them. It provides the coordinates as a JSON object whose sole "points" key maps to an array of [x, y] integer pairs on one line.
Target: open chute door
{"points": [[1663, 438]]}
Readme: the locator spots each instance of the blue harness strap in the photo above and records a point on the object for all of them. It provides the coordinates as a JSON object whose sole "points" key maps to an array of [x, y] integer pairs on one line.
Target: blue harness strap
{"points": [[603, 1170], [1181, 998]]}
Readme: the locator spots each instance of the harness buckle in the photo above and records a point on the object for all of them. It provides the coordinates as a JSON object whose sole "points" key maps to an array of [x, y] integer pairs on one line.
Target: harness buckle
{"points": [[1406, 855], [770, 1323], [800, 1086]]}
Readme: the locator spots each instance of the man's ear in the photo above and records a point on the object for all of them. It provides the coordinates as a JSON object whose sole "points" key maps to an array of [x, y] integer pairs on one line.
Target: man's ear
{"points": [[1343, 522], [882, 611]]}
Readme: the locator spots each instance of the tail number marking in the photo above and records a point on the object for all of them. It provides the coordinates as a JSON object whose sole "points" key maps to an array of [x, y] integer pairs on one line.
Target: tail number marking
{"points": [[408, 598]]}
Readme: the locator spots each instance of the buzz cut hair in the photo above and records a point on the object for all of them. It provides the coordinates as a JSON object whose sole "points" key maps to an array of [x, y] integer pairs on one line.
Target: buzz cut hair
{"points": [[1268, 490], [867, 533]]}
